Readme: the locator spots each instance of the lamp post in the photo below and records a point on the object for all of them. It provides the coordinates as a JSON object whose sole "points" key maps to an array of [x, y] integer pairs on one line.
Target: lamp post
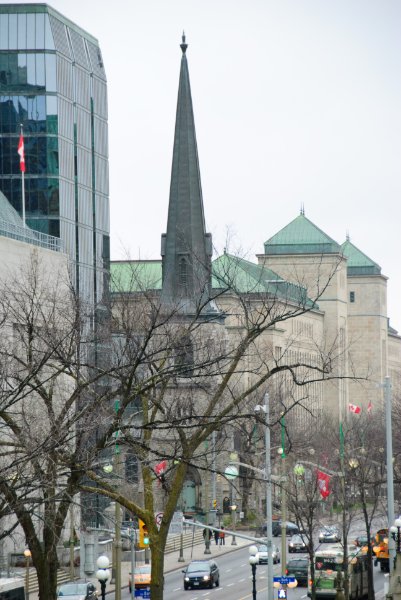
{"points": [[234, 519], [253, 560], [103, 573], [339, 581], [27, 554], [268, 480]]}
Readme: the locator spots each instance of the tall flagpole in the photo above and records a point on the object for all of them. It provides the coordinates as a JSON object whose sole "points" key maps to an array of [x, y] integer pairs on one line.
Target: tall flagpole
{"points": [[21, 152]]}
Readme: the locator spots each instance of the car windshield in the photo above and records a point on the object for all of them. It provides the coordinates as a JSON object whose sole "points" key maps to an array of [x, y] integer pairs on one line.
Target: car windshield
{"points": [[294, 564], [194, 567], [72, 589], [145, 570], [296, 538], [262, 548]]}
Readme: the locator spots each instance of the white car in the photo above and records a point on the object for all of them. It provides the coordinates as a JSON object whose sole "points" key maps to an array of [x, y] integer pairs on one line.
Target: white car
{"points": [[262, 554]]}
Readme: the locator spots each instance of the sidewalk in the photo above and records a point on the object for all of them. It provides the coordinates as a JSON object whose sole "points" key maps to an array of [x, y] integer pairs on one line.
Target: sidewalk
{"points": [[197, 552]]}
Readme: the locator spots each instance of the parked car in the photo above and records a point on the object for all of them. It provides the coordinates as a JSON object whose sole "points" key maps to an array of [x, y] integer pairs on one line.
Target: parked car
{"points": [[298, 568], [262, 554], [291, 528], [77, 591], [142, 577], [297, 544], [329, 534], [201, 573]]}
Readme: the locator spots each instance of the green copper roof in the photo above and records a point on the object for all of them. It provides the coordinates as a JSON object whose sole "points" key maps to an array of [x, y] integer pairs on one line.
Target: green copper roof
{"points": [[357, 262], [301, 236], [250, 278], [129, 276], [229, 272]]}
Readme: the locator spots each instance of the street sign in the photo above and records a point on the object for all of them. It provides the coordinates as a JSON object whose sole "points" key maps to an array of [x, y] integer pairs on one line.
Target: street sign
{"points": [[158, 519], [284, 580], [142, 592], [282, 594]]}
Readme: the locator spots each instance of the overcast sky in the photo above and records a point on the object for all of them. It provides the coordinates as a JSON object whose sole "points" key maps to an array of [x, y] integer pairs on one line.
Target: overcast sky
{"points": [[297, 102]]}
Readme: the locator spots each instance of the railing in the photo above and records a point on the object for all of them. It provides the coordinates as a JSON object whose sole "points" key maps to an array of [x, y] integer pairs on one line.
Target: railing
{"points": [[25, 234]]}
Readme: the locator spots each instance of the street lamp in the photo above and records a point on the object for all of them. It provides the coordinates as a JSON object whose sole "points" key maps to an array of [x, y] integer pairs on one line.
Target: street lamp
{"points": [[396, 535], [268, 480], [253, 561], [103, 573], [27, 554], [234, 517]]}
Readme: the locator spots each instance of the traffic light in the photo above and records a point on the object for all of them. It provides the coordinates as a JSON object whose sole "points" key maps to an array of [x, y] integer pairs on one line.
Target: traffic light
{"points": [[143, 535], [214, 503]]}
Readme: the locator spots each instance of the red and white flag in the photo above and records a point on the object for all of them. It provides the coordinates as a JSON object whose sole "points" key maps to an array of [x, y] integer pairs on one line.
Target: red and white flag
{"points": [[323, 481], [160, 468], [21, 152], [370, 408], [354, 408]]}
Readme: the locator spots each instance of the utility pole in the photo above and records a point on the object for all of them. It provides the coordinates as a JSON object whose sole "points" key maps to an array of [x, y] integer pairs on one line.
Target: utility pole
{"points": [[390, 476], [269, 516], [283, 502]]}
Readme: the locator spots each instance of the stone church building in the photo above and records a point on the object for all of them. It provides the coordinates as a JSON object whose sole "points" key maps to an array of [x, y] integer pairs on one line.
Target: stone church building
{"points": [[343, 292]]}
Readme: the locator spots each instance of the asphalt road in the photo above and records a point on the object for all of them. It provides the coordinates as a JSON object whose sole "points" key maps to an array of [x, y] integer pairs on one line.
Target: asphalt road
{"points": [[235, 581]]}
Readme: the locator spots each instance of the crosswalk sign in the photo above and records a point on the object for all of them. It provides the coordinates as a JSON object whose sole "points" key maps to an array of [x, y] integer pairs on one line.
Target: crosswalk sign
{"points": [[282, 594]]}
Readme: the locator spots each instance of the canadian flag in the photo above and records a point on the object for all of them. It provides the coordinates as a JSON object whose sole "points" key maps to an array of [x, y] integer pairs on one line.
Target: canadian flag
{"points": [[354, 408], [370, 408], [21, 152], [323, 481]]}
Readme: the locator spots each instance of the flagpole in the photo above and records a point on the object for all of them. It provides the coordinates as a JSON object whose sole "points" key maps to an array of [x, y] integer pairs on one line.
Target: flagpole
{"points": [[23, 184]]}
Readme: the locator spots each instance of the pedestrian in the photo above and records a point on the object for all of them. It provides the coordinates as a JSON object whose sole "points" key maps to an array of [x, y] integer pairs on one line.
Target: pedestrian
{"points": [[216, 536], [222, 537]]}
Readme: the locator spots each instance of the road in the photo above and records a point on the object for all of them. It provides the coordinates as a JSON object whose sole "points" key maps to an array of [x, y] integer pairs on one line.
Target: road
{"points": [[235, 581]]}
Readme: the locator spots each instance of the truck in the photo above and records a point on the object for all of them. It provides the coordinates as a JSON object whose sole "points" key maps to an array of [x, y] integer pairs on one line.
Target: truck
{"points": [[381, 549]]}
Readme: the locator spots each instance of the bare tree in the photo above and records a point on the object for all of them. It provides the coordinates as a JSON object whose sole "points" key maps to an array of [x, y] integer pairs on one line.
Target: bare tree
{"points": [[195, 378], [148, 380]]}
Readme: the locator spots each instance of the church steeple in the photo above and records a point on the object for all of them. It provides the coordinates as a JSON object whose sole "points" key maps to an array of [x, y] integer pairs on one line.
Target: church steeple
{"points": [[186, 247]]}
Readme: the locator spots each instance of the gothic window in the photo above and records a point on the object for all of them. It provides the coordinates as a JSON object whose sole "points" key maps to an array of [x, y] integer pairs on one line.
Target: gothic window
{"points": [[184, 358], [183, 274], [352, 296]]}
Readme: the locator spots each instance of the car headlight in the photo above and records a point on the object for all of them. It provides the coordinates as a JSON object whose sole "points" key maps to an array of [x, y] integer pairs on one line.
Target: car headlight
{"points": [[206, 578], [186, 578]]}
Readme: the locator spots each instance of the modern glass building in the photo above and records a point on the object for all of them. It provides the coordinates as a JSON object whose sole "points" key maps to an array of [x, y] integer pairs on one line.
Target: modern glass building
{"points": [[53, 82]]}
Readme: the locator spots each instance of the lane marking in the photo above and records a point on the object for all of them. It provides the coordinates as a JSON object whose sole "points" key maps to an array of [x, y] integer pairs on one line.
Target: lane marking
{"points": [[177, 589], [230, 584]]}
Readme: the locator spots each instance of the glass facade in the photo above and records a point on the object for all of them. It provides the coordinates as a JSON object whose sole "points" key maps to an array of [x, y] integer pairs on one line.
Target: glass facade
{"points": [[52, 81]]}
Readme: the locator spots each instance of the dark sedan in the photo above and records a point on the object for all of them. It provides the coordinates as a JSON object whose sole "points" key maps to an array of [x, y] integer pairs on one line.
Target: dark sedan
{"points": [[201, 573]]}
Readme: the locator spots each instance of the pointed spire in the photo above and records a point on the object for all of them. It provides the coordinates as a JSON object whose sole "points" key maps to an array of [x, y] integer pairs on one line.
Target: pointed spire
{"points": [[302, 211], [186, 247], [347, 237], [183, 46]]}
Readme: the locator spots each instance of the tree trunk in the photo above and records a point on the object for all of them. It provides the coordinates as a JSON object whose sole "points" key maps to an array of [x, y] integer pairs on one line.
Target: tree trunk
{"points": [[157, 561], [46, 565]]}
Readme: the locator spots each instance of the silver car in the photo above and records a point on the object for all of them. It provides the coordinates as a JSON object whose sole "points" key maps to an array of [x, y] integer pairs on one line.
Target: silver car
{"points": [[77, 591], [262, 554]]}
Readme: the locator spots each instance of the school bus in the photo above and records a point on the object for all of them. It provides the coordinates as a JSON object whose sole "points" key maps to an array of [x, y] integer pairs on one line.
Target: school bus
{"points": [[381, 549]]}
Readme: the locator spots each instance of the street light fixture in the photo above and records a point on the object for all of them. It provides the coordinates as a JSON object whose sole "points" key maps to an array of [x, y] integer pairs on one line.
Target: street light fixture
{"points": [[253, 561], [27, 554], [395, 531], [103, 573]]}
